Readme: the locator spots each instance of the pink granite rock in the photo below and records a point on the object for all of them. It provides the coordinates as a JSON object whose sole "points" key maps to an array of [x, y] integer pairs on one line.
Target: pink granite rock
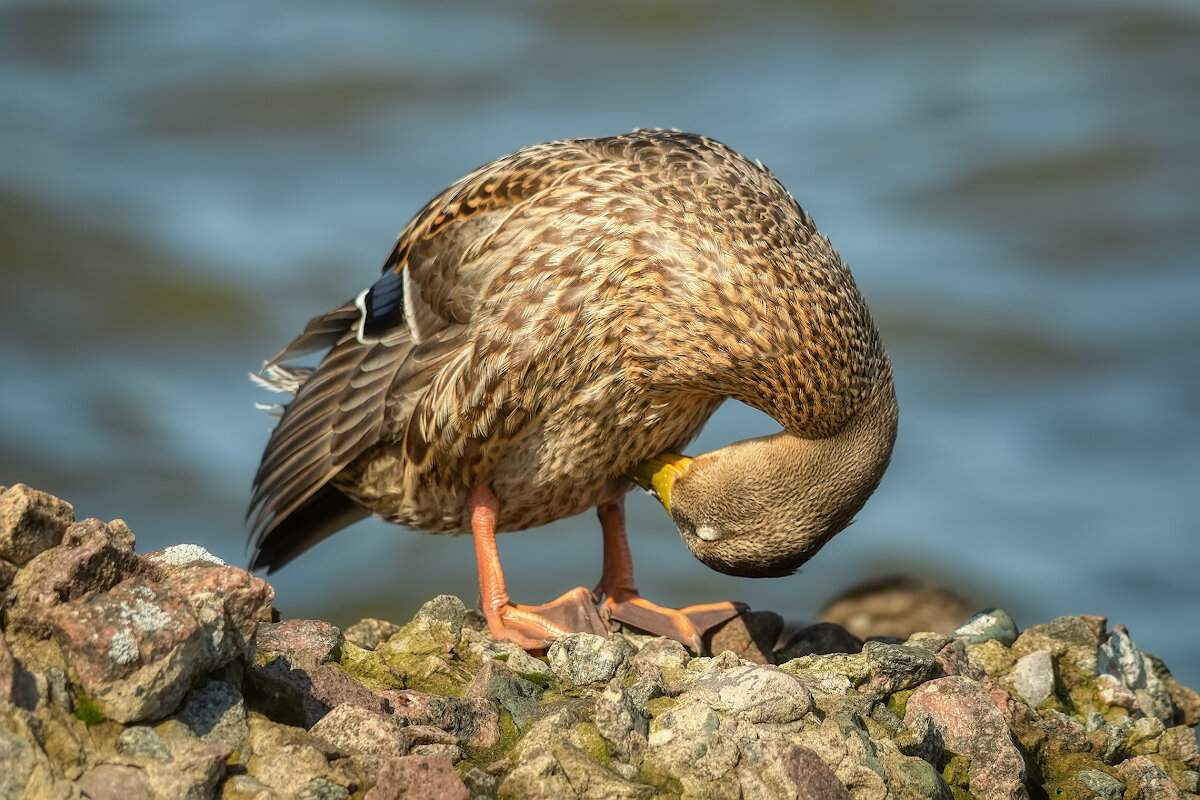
{"points": [[418, 778], [305, 643], [92, 557], [137, 649], [961, 711]]}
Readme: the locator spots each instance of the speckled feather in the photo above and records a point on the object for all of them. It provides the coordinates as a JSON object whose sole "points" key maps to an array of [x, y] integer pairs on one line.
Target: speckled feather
{"points": [[569, 310]]}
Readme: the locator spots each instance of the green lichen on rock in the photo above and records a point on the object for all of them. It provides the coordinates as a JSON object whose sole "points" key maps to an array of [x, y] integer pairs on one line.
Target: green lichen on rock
{"points": [[87, 711], [367, 667]]}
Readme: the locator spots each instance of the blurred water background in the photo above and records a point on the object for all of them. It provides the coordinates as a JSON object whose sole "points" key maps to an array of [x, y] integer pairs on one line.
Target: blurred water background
{"points": [[1016, 186]]}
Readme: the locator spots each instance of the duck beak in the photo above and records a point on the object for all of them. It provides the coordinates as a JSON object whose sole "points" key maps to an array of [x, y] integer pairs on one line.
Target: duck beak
{"points": [[657, 475]]}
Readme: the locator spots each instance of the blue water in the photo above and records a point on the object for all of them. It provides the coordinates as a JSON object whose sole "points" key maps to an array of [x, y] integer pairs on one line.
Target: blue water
{"points": [[1016, 189]]}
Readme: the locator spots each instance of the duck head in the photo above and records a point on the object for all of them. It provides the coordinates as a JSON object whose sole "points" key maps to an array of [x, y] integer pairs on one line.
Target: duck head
{"points": [[762, 507]]}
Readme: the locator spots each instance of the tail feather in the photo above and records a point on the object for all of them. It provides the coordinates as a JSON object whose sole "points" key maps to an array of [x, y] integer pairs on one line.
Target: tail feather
{"points": [[323, 514]]}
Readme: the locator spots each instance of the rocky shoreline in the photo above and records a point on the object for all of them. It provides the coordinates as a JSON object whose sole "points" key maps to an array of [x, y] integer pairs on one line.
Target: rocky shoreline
{"points": [[126, 675]]}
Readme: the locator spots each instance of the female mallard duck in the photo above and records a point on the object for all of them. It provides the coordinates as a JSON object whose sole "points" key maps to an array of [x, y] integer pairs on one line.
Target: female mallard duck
{"points": [[558, 323]]}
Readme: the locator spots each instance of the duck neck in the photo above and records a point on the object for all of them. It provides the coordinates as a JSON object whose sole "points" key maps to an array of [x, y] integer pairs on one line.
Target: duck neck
{"points": [[762, 507]]}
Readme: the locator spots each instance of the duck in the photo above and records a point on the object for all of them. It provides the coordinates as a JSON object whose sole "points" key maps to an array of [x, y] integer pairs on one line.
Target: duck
{"points": [[550, 332]]}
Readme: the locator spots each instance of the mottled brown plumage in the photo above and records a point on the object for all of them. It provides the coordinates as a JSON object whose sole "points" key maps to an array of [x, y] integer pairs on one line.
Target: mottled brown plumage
{"points": [[563, 314]]}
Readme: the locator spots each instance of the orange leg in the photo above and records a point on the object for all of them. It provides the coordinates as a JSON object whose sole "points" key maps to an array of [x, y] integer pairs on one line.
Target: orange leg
{"points": [[623, 603], [531, 627]]}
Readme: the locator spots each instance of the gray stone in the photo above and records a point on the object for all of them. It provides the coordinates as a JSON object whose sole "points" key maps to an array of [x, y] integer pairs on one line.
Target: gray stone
{"points": [[214, 712], [896, 667], [353, 730], [1120, 658], [144, 742], [757, 693], [1103, 784], [323, 789], [620, 722], [528, 667], [578, 659], [1033, 677], [443, 611], [519, 697], [992, 623]]}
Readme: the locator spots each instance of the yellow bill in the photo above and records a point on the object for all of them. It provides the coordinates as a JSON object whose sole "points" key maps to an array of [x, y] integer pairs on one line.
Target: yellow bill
{"points": [[657, 475]]}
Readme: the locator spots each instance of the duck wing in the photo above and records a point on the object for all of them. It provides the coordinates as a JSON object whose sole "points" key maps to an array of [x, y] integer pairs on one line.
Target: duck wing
{"points": [[404, 343]]}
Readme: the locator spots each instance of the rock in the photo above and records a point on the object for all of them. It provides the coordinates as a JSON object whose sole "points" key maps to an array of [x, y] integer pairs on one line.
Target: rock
{"points": [[895, 667], [285, 759], [1103, 784], [1033, 677], [137, 649], [92, 557], [27, 771], [789, 770], [955, 659], [31, 522], [563, 770], [215, 712], [622, 723], [353, 730], [820, 638], [8, 572], [965, 719], [303, 696], [303, 643], [475, 719], [369, 633], [578, 659], [115, 782], [1146, 780], [992, 624], [419, 778], [1179, 744], [136, 677], [517, 696], [751, 635], [659, 658], [142, 741], [757, 694], [1185, 700], [8, 674], [1119, 658]]}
